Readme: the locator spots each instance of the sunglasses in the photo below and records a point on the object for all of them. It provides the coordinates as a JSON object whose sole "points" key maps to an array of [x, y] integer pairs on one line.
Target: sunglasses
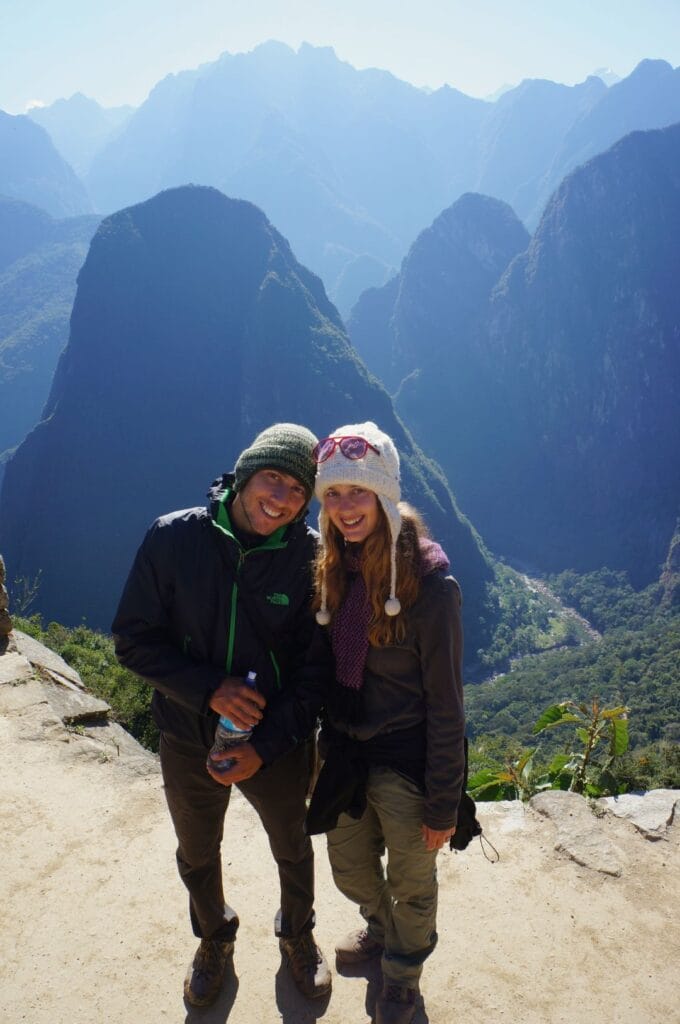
{"points": [[351, 447]]}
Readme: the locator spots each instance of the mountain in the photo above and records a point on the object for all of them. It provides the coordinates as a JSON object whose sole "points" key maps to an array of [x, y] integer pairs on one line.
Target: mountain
{"points": [[522, 132], [39, 261], [648, 98], [32, 170], [420, 317], [353, 164], [79, 127], [193, 327], [557, 423], [328, 151]]}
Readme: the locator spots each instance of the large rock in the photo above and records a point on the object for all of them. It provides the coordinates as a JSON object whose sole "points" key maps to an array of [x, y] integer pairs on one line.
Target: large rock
{"points": [[651, 813], [5, 620], [577, 834]]}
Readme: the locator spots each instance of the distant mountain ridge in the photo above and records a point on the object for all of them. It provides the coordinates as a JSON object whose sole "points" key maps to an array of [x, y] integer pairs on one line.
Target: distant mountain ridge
{"points": [[32, 170], [554, 410], [193, 327], [80, 127], [352, 164]]}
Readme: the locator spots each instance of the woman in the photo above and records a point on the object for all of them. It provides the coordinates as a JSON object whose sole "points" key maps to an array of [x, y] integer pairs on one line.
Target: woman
{"points": [[394, 720]]}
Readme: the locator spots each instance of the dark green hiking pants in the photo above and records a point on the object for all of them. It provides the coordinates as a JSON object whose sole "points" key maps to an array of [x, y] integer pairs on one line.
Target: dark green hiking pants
{"points": [[399, 903]]}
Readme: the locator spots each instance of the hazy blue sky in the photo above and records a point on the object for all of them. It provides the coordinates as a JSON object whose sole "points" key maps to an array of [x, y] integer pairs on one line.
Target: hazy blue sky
{"points": [[115, 52]]}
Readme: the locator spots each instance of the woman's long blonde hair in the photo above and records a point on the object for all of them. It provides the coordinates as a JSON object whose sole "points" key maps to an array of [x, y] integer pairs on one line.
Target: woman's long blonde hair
{"points": [[375, 567]]}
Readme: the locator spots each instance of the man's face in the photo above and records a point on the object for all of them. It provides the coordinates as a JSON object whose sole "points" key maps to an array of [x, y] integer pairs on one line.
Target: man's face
{"points": [[270, 499]]}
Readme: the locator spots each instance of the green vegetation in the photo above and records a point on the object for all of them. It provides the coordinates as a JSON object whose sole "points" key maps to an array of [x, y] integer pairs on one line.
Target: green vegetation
{"points": [[607, 599], [529, 621], [589, 769], [91, 655], [636, 664]]}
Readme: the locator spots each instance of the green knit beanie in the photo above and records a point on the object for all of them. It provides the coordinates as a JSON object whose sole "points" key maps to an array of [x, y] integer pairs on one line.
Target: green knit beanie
{"points": [[284, 446]]}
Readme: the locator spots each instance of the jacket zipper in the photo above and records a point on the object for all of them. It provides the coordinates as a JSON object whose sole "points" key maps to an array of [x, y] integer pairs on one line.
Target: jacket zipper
{"points": [[231, 637]]}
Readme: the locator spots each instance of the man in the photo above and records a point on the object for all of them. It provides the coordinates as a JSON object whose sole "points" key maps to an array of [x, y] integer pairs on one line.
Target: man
{"points": [[213, 594]]}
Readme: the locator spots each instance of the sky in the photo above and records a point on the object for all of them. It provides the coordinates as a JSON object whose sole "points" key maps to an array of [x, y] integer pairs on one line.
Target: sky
{"points": [[116, 52]]}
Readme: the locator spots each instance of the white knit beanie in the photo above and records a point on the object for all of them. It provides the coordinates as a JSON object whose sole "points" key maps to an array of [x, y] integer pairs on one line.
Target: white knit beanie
{"points": [[377, 472]]}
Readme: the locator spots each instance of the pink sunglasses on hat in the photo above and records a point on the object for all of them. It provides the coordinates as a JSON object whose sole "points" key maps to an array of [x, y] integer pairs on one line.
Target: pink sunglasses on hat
{"points": [[350, 446]]}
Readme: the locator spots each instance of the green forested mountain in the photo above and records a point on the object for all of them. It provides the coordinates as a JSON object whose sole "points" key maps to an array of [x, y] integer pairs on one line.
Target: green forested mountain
{"points": [[193, 327], [554, 411], [424, 316]]}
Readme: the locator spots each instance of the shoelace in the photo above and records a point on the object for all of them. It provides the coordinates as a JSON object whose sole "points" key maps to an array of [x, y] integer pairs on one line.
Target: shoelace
{"points": [[305, 952], [209, 957]]}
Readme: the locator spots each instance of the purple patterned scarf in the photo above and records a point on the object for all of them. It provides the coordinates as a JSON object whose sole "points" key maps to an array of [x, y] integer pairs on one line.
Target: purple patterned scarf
{"points": [[349, 631]]}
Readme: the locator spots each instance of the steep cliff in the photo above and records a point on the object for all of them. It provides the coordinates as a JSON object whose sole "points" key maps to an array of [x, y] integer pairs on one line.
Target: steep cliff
{"points": [[39, 262], [423, 316], [557, 425]]}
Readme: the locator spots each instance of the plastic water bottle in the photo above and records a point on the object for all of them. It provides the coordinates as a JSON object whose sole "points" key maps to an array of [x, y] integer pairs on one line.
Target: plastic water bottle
{"points": [[227, 736]]}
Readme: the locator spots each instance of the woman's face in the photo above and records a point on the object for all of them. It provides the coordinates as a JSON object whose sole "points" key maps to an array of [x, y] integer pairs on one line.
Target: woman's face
{"points": [[353, 510]]}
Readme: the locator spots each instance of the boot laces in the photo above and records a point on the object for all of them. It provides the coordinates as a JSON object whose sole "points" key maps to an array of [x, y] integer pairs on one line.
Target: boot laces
{"points": [[305, 952]]}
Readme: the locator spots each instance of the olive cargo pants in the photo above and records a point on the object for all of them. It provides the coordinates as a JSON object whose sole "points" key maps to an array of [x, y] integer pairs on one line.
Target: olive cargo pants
{"points": [[399, 905], [198, 805]]}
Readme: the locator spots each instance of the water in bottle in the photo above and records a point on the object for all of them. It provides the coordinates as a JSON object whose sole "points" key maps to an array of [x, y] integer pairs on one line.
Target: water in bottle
{"points": [[228, 736]]}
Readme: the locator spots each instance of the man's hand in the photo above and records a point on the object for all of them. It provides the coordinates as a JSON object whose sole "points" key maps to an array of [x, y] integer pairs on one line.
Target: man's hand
{"points": [[247, 759], [434, 838], [234, 699]]}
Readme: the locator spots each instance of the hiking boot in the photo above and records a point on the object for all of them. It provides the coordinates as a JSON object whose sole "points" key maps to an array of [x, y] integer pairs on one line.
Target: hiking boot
{"points": [[396, 1004], [357, 947], [205, 975], [307, 965]]}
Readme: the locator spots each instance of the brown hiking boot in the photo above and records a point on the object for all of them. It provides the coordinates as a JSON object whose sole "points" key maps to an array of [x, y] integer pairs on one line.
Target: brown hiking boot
{"points": [[206, 973], [307, 965], [357, 947], [396, 1004]]}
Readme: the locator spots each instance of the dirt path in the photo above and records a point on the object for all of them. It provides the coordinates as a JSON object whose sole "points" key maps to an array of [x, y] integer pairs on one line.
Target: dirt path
{"points": [[95, 920]]}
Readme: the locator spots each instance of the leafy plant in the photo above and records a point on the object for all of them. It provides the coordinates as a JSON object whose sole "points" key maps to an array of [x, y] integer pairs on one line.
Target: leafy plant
{"points": [[512, 782], [599, 729]]}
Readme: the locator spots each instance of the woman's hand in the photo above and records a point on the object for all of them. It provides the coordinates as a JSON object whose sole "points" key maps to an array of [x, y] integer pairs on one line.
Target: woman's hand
{"points": [[434, 838], [247, 762]]}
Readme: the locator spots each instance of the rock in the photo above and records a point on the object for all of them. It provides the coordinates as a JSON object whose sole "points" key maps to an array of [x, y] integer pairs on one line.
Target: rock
{"points": [[5, 620], [577, 833], [74, 707], [650, 813], [14, 668], [47, 661]]}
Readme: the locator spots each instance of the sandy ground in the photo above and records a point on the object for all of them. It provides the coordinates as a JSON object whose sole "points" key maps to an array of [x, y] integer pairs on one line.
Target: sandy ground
{"points": [[95, 922]]}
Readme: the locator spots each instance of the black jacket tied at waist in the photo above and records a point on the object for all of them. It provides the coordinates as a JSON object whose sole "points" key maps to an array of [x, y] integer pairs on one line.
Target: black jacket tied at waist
{"points": [[341, 786]]}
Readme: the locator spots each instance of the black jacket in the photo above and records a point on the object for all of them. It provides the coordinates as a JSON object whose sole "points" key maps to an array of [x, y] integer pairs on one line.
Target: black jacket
{"points": [[182, 624]]}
